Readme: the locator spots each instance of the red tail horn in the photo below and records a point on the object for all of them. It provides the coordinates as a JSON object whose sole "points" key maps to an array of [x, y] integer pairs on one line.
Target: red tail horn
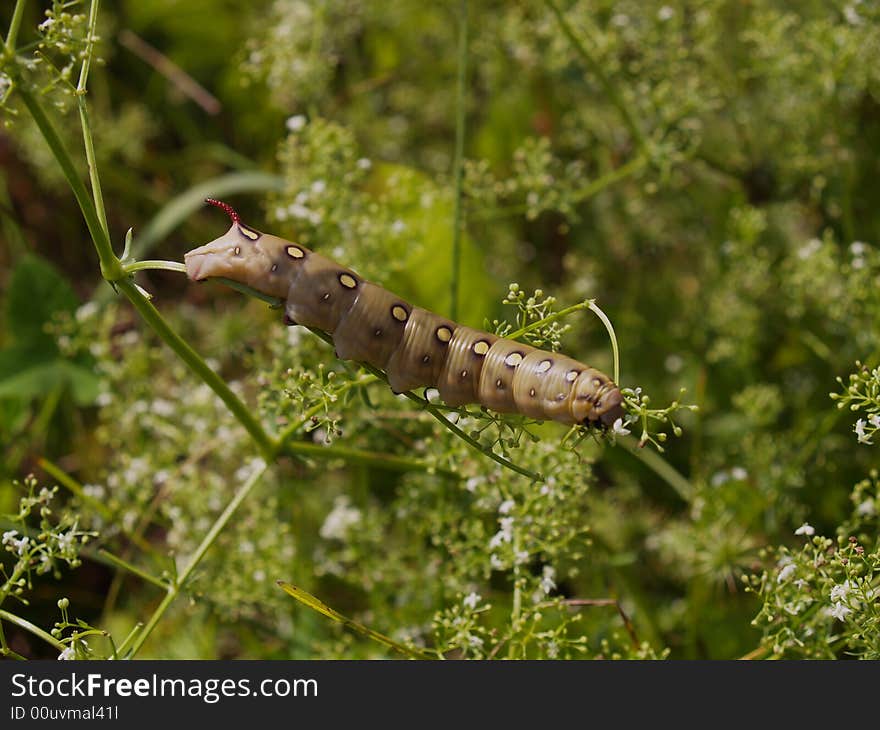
{"points": [[230, 211]]}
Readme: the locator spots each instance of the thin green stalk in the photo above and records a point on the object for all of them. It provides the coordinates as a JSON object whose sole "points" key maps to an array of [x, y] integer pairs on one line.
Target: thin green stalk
{"points": [[550, 318], [111, 269], [196, 558], [130, 268], [28, 626], [458, 163], [613, 337], [391, 462], [91, 158], [133, 569], [610, 90], [307, 599], [294, 427], [608, 179], [661, 468], [585, 193], [14, 25], [198, 366], [562, 313]]}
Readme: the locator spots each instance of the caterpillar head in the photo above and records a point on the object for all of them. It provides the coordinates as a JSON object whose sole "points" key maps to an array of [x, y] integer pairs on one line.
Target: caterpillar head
{"points": [[596, 398], [242, 254]]}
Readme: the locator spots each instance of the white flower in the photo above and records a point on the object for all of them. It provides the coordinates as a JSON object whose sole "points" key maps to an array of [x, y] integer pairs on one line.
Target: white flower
{"points": [[547, 582], [9, 537], [739, 474], [471, 600], [857, 248], [874, 420], [319, 186], [364, 163], [805, 529], [619, 429], [67, 655], [866, 508], [840, 612], [496, 562], [340, 520], [665, 13], [472, 483], [860, 432], [521, 557], [786, 573], [398, 227], [506, 506], [838, 592], [66, 541], [476, 642], [295, 123]]}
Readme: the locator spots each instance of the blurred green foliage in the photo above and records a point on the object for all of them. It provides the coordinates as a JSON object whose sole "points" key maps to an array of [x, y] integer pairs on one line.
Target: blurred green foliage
{"points": [[705, 169]]}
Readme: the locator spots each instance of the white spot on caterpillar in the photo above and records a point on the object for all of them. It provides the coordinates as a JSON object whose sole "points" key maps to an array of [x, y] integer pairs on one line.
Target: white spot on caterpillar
{"points": [[399, 313], [571, 376], [532, 392], [481, 347], [544, 366], [237, 250], [295, 252], [513, 359], [248, 233]]}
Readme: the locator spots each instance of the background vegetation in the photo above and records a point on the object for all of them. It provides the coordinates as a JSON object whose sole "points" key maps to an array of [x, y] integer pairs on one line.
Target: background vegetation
{"points": [[704, 169]]}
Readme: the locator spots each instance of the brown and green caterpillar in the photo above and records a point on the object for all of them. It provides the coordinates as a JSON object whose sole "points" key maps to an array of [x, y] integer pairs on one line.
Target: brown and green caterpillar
{"points": [[413, 346]]}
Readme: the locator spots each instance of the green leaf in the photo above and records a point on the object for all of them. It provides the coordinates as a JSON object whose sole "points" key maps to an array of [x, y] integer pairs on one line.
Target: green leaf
{"points": [[40, 378], [36, 292]]}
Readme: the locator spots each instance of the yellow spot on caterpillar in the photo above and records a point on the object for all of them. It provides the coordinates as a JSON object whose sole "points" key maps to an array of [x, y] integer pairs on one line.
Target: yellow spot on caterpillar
{"points": [[513, 359], [348, 281], [543, 366], [481, 347], [571, 376], [295, 252], [399, 313], [236, 250], [444, 334], [248, 233]]}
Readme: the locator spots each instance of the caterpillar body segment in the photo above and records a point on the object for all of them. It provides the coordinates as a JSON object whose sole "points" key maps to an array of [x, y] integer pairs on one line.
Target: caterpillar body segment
{"points": [[413, 346]]}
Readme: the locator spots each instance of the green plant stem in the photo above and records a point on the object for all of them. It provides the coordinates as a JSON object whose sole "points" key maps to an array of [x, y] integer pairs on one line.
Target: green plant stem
{"points": [[198, 366], [596, 68], [28, 626], [458, 162], [307, 599], [111, 269], [617, 174], [14, 25], [661, 468], [89, 144], [294, 427], [209, 539], [130, 268], [549, 319], [391, 462], [133, 569], [615, 353]]}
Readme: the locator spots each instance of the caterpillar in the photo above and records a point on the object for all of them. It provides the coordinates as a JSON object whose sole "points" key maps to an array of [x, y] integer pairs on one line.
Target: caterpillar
{"points": [[413, 346]]}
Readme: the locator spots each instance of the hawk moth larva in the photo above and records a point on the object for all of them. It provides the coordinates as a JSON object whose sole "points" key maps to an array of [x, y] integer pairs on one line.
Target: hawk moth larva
{"points": [[413, 346]]}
